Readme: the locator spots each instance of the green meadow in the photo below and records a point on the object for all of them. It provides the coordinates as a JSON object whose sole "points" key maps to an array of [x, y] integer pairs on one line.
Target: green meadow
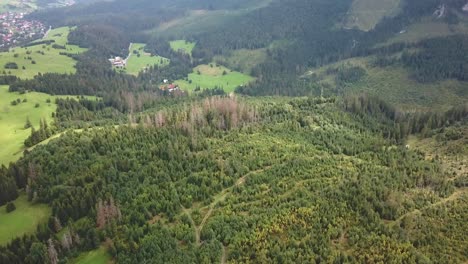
{"points": [[139, 59], [23, 220], [98, 256], [13, 119], [41, 58], [182, 45], [210, 76]]}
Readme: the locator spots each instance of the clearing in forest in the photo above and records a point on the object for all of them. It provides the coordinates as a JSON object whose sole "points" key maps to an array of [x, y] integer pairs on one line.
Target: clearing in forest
{"points": [[427, 28], [23, 220], [211, 76], [18, 5], [395, 84], [32, 105], [182, 46], [138, 60], [27, 62], [366, 14], [98, 256]]}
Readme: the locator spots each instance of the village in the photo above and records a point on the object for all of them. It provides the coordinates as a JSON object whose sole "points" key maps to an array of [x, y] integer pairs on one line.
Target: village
{"points": [[14, 29]]}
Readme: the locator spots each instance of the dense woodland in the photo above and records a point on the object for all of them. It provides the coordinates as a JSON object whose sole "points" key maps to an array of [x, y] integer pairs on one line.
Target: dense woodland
{"points": [[171, 178], [267, 169]]}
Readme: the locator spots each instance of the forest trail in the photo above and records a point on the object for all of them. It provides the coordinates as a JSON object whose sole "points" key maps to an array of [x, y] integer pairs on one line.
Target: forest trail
{"points": [[223, 256], [197, 232], [218, 198], [455, 195]]}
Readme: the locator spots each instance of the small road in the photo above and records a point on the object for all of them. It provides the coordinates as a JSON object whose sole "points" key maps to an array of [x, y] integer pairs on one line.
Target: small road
{"points": [[129, 53], [47, 33]]}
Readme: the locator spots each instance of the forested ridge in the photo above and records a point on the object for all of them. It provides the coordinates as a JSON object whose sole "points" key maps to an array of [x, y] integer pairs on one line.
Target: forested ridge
{"points": [[270, 180], [286, 169]]}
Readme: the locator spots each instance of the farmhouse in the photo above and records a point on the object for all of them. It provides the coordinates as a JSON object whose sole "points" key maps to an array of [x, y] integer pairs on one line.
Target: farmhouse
{"points": [[118, 62], [170, 88]]}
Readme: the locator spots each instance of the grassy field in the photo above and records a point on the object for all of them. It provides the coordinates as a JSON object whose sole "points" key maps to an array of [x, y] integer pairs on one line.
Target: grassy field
{"points": [[243, 60], [210, 77], [182, 45], [365, 14], [429, 28], [23, 220], [136, 64], [46, 58], [13, 118], [98, 256], [18, 5], [396, 86]]}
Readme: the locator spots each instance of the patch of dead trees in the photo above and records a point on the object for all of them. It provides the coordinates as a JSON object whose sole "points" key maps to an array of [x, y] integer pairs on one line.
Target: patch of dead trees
{"points": [[222, 113]]}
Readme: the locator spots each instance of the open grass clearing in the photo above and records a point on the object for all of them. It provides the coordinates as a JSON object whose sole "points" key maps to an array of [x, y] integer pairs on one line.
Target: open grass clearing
{"points": [[23, 220], [243, 60], [139, 60], [41, 58], [427, 28], [18, 5], [98, 256], [366, 14], [13, 119], [182, 46], [211, 76], [396, 85]]}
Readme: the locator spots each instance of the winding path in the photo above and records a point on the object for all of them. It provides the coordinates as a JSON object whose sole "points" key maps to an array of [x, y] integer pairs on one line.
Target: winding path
{"points": [[218, 198], [457, 194]]}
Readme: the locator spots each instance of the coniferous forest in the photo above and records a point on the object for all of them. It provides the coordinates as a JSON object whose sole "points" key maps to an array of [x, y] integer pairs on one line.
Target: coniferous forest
{"points": [[286, 168]]}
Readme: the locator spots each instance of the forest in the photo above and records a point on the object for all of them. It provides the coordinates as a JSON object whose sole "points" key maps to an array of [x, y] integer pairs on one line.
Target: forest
{"points": [[275, 172], [241, 178]]}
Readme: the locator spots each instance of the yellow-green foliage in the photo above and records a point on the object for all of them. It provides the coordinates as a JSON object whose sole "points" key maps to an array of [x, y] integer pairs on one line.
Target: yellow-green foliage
{"points": [[136, 64], [50, 61], [365, 14], [214, 75], [23, 220]]}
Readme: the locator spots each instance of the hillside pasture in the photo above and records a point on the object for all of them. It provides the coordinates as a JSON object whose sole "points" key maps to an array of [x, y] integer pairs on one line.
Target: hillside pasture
{"points": [[211, 76], [366, 14], [396, 86], [182, 46], [13, 119], [427, 28], [243, 60], [41, 58], [23, 220], [139, 59], [18, 5]]}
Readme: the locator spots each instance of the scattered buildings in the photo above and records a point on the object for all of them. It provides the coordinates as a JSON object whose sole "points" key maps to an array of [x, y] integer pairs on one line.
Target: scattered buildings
{"points": [[118, 62], [169, 87]]}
